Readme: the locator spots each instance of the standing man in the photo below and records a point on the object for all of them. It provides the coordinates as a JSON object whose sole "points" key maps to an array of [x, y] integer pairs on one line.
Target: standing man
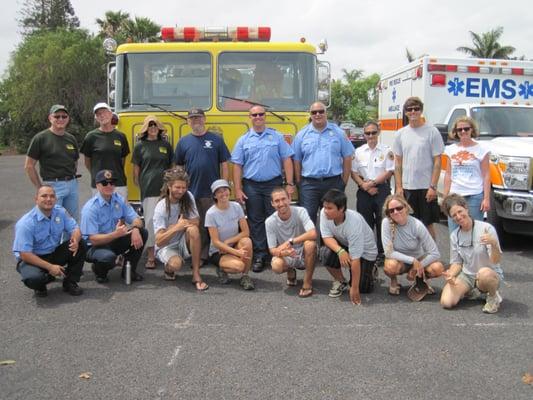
{"points": [[322, 159], [40, 254], [56, 150], [372, 167], [111, 228], [418, 148], [349, 243], [106, 148], [259, 159], [291, 237], [205, 157]]}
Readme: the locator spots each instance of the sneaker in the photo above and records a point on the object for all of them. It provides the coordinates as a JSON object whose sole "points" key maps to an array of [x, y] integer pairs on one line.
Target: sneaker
{"points": [[246, 283], [493, 303], [258, 265], [41, 292], [474, 294], [72, 288], [223, 277], [337, 288]]}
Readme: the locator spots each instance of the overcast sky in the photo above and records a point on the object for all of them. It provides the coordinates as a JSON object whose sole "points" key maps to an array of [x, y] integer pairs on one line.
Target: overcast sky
{"points": [[362, 34]]}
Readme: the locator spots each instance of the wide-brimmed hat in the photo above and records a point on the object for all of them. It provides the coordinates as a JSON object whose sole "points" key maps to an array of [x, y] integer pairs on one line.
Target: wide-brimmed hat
{"points": [[419, 290], [147, 120]]}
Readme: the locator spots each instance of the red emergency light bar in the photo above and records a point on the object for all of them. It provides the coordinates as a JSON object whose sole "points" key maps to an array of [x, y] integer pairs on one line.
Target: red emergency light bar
{"points": [[215, 34]]}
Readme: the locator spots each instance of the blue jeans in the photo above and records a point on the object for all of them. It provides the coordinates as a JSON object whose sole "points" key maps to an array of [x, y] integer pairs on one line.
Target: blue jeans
{"points": [[67, 195], [312, 190], [474, 206]]}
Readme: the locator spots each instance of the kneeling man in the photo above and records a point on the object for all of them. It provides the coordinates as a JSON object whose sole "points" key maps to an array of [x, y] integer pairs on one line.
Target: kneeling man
{"points": [[349, 242], [291, 237], [41, 255]]}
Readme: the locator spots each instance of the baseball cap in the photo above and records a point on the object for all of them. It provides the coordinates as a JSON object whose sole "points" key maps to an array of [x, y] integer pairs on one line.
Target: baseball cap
{"points": [[57, 107], [419, 290], [219, 183], [196, 112], [98, 106], [104, 175]]}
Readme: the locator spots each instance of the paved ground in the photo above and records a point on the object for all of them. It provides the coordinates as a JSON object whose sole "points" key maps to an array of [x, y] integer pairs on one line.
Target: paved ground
{"points": [[161, 340]]}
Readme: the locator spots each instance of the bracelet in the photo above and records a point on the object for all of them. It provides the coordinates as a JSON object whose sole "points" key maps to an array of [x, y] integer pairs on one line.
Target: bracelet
{"points": [[289, 184], [339, 252]]}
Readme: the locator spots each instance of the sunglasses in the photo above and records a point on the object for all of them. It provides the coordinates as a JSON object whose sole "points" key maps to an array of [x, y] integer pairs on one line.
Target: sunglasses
{"points": [[315, 112], [257, 115], [465, 129], [152, 124], [105, 183], [371, 133], [411, 109], [394, 209], [60, 116]]}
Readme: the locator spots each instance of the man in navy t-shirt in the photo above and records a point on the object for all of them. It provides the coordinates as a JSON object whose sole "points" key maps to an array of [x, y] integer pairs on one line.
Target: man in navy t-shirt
{"points": [[205, 157]]}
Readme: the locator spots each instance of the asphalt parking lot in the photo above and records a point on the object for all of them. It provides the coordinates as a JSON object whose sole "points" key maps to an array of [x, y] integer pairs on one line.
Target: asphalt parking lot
{"points": [[163, 340]]}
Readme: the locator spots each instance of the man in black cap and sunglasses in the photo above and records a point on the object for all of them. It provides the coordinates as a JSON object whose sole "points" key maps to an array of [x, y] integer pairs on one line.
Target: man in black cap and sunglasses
{"points": [[111, 228], [57, 152], [418, 148]]}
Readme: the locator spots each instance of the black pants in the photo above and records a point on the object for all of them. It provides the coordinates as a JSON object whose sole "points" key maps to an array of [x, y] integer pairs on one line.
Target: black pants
{"points": [[371, 207], [36, 278]]}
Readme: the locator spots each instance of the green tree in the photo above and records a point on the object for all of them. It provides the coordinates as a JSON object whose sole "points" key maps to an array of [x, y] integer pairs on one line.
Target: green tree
{"points": [[141, 29], [37, 15], [48, 67], [486, 45], [112, 25]]}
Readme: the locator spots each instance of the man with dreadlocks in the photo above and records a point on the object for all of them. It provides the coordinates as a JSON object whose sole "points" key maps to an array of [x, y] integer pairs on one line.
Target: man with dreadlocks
{"points": [[176, 221]]}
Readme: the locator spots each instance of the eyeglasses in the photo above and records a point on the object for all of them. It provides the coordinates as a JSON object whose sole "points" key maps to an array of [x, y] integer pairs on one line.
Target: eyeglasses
{"points": [[371, 133], [315, 112], [152, 124], [257, 115], [105, 183], [464, 129], [395, 209], [60, 116], [466, 244], [411, 109]]}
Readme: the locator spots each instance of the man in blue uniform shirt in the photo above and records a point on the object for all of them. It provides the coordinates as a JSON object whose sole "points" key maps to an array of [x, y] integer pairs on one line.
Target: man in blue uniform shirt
{"points": [[259, 158], [111, 228], [322, 159], [41, 255]]}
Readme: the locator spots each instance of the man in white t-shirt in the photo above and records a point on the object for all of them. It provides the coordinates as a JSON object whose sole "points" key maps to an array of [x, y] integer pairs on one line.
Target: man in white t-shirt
{"points": [[291, 238]]}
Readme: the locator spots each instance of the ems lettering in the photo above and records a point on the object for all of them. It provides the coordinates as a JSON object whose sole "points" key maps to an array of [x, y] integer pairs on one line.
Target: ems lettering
{"points": [[490, 89]]}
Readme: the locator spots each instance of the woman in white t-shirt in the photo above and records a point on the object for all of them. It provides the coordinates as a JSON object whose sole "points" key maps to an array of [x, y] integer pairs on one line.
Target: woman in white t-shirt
{"points": [[467, 169], [475, 256], [231, 248]]}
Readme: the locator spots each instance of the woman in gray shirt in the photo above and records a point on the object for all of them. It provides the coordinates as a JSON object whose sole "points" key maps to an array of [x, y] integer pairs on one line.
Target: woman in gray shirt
{"points": [[408, 246]]}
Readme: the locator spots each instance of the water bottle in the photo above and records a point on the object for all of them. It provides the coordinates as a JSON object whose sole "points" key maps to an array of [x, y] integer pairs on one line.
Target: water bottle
{"points": [[128, 273]]}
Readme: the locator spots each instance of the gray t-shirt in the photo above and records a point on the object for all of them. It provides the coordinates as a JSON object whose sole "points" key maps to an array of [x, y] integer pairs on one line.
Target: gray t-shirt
{"points": [[417, 147], [466, 249], [411, 241], [162, 220], [279, 231], [354, 233], [226, 221]]}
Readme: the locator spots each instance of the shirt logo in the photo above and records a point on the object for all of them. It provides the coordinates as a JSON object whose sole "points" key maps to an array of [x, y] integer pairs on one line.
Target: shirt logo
{"points": [[117, 142], [58, 220], [163, 150], [208, 144], [70, 146]]}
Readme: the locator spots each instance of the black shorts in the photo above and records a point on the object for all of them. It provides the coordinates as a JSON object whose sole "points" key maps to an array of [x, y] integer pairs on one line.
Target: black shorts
{"points": [[428, 213], [215, 259], [330, 259]]}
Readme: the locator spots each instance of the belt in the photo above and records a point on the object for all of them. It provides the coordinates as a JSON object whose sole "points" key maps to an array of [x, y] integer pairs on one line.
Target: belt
{"points": [[65, 178], [326, 178], [269, 180]]}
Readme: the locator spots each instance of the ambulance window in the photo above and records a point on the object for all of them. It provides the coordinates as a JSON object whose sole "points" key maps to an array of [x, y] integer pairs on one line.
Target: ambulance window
{"points": [[459, 112], [175, 81], [282, 81]]}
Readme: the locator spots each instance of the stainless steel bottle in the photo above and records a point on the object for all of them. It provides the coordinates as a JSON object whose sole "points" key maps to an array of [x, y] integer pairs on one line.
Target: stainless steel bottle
{"points": [[128, 273]]}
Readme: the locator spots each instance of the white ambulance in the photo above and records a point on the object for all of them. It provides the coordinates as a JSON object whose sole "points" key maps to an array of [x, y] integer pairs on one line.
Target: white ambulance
{"points": [[498, 94]]}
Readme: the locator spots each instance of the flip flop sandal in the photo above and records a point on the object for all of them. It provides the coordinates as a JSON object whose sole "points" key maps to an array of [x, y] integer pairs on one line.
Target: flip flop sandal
{"points": [[291, 278], [395, 290], [199, 287], [305, 292]]}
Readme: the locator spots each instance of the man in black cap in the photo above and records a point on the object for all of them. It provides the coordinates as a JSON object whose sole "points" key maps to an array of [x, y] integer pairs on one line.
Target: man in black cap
{"points": [[205, 157], [57, 152], [111, 227]]}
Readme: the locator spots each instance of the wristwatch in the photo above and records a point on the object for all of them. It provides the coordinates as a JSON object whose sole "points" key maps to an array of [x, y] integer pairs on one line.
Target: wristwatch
{"points": [[433, 187], [291, 241]]}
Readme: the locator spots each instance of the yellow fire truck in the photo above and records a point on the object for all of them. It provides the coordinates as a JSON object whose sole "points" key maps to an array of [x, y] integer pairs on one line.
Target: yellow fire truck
{"points": [[223, 71]]}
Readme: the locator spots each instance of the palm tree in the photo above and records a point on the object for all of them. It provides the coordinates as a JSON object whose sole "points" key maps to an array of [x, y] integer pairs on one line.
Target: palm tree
{"points": [[141, 29], [486, 45], [353, 75], [113, 23]]}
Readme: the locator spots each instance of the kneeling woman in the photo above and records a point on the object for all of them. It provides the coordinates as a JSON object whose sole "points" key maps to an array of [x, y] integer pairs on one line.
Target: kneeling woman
{"points": [[231, 248], [407, 244], [475, 256]]}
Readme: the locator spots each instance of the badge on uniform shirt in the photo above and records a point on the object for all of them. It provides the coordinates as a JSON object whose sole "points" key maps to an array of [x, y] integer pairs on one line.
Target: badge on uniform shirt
{"points": [[70, 146], [117, 206], [381, 157], [58, 220], [331, 133], [117, 142], [390, 155], [163, 150]]}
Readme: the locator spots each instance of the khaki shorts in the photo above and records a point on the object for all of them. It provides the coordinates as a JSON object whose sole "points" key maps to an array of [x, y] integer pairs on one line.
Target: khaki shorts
{"points": [[298, 261], [175, 249], [470, 281]]}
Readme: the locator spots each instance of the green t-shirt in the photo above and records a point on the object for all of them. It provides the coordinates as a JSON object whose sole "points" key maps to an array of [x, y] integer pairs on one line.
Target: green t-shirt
{"points": [[153, 157], [57, 154], [106, 151]]}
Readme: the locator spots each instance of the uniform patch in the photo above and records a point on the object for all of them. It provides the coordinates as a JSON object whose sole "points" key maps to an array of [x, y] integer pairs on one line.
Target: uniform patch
{"points": [[390, 155], [58, 220], [70, 146], [117, 142], [163, 150]]}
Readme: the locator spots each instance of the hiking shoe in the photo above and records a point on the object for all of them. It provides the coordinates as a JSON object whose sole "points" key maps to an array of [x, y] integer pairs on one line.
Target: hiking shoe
{"points": [[223, 277], [43, 292], [258, 265], [72, 288], [337, 288], [474, 294], [493, 303], [246, 283]]}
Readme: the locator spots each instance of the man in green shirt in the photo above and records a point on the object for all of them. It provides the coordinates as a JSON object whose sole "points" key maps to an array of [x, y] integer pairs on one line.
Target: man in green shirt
{"points": [[57, 152]]}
